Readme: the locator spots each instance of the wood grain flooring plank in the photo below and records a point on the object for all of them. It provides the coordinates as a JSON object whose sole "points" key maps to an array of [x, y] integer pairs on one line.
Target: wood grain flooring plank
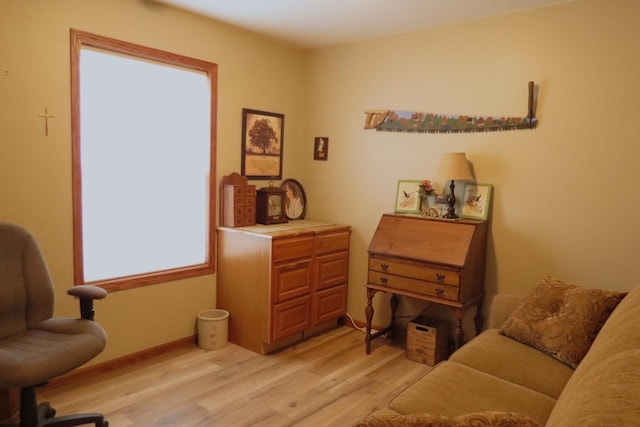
{"points": [[326, 380]]}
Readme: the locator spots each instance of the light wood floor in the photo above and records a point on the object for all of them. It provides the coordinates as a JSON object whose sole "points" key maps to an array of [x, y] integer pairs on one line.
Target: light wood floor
{"points": [[325, 381]]}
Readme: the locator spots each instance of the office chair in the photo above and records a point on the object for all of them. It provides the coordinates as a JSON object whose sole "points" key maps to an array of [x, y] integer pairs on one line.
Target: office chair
{"points": [[34, 346]]}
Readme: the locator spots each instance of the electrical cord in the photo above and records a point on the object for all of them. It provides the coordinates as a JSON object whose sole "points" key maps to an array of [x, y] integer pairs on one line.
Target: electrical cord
{"points": [[353, 323], [373, 331]]}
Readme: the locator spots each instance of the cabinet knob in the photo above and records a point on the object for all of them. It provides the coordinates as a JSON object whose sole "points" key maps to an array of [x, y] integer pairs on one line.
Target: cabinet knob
{"points": [[384, 267], [439, 292], [384, 280], [439, 278]]}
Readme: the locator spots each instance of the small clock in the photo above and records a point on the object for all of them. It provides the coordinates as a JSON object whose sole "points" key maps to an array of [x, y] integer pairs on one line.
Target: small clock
{"points": [[270, 205]]}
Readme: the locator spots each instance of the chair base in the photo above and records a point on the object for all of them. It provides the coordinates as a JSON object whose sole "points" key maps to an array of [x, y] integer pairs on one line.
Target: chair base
{"points": [[34, 415]]}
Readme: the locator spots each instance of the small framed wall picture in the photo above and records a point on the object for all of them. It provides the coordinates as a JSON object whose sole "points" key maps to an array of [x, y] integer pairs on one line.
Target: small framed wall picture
{"points": [[476, 201], [408, 196], [321, 148]]}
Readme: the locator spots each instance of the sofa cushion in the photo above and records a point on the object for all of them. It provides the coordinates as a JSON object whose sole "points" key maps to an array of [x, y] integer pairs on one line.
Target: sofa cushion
{"points": [[604, 389], [481, 419], [513, 361], [561, 319], [452, 389]]}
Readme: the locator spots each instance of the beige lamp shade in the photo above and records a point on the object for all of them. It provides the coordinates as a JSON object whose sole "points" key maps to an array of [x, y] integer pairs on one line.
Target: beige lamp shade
{"points": [[454, 166]]}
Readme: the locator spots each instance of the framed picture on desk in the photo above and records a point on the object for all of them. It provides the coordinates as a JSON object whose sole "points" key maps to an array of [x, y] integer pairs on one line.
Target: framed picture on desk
{"points": [[476, 201], [408, 196]]}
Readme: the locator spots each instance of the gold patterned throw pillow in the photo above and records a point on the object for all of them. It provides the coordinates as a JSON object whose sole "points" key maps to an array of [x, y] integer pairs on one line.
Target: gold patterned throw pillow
{"points": [[480, 419], [561, 319]]}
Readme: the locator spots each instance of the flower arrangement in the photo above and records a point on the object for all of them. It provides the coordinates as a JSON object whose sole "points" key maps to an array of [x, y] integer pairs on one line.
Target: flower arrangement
{"points": [[426, 188]]}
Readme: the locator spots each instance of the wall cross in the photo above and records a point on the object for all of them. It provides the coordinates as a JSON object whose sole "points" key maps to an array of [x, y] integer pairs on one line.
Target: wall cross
{"points": [[46, 116]]}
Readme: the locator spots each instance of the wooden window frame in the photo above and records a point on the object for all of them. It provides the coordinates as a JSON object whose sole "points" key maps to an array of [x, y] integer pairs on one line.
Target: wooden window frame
{"points": [[80, 40]]}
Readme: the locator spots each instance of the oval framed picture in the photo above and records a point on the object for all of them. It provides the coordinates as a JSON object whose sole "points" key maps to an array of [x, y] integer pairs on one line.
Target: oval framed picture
{"points": [[295, 201]]}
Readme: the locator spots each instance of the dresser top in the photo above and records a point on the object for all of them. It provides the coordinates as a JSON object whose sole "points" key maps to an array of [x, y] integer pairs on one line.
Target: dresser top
{"points": [[288, 228]]}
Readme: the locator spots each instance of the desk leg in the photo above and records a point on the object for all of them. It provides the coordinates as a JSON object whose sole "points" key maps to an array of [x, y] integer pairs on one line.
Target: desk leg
{"points": [[458, 335], [394, 308], [368, 314]]}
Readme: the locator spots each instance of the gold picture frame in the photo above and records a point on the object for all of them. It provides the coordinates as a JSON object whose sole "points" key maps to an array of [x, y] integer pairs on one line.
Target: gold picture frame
{"points": [[262, 143]]}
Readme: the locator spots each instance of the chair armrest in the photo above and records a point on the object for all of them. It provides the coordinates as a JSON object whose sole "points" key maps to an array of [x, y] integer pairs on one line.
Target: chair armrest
{"points": [[501, 308], [87, 293]]}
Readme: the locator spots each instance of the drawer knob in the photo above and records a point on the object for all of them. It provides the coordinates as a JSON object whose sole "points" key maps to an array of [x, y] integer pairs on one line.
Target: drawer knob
{"points": [[384, 267], [384, 280], [439, 292], [439, 278]]}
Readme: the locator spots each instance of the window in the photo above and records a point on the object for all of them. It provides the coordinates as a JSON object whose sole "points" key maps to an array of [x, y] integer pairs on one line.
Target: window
{"points": [[143, 137]]}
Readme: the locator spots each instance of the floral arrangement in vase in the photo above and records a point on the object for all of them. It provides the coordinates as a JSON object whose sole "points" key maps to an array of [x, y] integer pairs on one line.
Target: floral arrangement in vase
{"points": [[426, 188]]}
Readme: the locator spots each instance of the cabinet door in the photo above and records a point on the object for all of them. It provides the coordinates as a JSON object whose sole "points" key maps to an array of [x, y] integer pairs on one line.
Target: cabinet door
{"points": [[330, 303], [290, 317], [332, 270], [291, 280]]}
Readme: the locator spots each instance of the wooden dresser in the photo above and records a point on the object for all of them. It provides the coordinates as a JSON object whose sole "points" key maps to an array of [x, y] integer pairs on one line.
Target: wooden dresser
{"points": [[282, 282], [436, 260]]}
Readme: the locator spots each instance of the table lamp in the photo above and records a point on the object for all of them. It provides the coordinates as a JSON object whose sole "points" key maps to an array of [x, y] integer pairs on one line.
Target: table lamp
{"points": [[453, 166]]}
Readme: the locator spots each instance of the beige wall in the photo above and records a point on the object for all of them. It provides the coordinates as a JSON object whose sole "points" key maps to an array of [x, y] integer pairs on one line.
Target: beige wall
{"points": [[563, 194], [35, 171], [564, 198]]}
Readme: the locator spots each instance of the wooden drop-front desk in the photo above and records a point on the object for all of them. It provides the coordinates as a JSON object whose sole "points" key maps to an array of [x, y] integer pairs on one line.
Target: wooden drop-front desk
{"points": [[282, 282], [435, 260]]}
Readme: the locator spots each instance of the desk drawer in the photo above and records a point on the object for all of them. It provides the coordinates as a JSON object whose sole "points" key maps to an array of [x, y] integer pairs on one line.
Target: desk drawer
{"points": [[414, 270], [438, 290]]}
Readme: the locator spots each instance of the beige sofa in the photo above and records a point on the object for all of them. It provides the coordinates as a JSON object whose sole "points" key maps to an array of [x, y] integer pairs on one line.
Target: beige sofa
{"points": [[496, 380]]}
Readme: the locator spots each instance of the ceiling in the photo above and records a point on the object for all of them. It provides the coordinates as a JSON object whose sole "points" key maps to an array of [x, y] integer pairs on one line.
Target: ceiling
{"points": [[322, 23]]}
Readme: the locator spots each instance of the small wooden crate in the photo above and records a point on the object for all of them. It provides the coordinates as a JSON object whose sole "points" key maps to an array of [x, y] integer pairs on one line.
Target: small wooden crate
{"points": [[427, 340]]}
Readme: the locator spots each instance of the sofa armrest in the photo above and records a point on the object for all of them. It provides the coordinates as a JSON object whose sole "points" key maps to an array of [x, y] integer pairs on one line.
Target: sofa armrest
{"points": [[501, 308]]}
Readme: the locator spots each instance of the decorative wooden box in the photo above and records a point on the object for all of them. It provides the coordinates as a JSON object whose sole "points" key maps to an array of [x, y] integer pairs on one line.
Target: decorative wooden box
{"points": [[427, 340], [237, 201], [240, 205]]}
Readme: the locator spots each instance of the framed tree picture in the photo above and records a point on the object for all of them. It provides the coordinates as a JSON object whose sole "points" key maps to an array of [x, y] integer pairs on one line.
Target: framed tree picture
{"points": [[476, 201], [262, 140]]}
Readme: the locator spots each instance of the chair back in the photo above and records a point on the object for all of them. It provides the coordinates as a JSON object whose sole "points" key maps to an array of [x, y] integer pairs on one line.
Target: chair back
{"points": [[26, 291]]}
